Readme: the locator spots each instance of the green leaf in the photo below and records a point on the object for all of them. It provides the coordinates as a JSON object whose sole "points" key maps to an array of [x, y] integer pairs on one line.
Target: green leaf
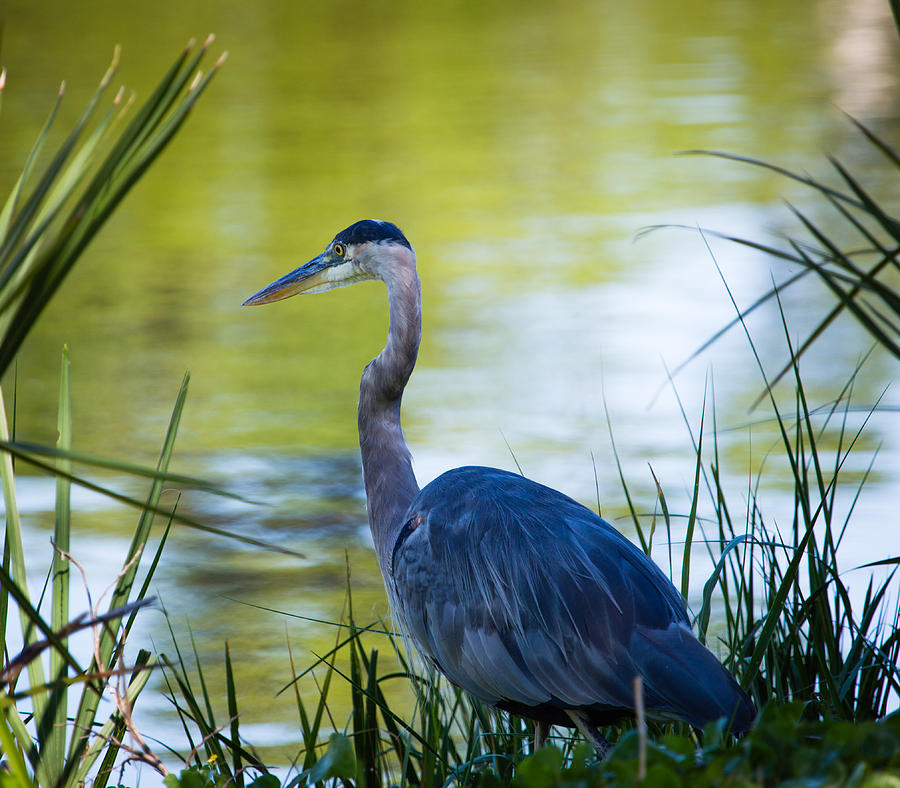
{"points": [[193, 777], [339, 760], [659, 776], [883, 780], [540, 769], [265, 781]]}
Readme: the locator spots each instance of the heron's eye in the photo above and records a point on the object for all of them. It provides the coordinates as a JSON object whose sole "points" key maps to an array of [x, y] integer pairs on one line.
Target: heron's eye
{"points": [[338, 250]]}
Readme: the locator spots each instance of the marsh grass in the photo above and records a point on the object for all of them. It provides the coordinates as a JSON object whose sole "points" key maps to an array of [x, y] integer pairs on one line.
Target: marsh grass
{"points": [[812, 659], [851, 247], [48, 220], [59, 744], [786, 623]]}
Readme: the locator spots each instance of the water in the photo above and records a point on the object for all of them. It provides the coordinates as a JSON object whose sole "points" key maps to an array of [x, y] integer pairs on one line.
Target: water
{"points": [[520, 146]]}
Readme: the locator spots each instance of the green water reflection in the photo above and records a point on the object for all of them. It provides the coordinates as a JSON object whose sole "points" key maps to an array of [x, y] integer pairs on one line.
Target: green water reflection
{"points": [[520, 146]]}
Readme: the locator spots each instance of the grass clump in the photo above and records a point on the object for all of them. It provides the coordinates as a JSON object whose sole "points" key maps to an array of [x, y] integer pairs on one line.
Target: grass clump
{"points": [[46, 223]]}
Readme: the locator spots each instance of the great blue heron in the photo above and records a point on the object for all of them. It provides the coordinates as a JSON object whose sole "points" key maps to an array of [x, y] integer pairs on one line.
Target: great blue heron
{"points": [[514, 591]]}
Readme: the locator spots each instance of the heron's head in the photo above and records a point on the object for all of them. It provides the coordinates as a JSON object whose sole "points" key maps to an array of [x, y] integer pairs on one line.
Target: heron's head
{"points": [[365, 250]]}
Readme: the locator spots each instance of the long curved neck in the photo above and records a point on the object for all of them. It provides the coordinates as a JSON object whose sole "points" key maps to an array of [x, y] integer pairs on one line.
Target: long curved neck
{"points": [[387, 463]]}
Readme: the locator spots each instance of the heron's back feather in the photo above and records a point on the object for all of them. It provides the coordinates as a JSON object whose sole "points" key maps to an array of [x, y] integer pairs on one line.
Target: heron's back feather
{"points": [[531, 602]]}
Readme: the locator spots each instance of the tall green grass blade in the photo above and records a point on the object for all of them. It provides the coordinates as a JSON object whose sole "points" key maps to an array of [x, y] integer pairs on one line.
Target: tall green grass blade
{"points": [[692, 517], [879, 143], [305, 728], [111, 197], [667, 519], [14, 763], [664, 508], [18, 272], [101, 738], [204, 691], [870, 239], [803, 410], [836, 256], [404, 752], [890, 225], [32, 205], [16, 582], [231, 694], [142, 594], [192, 712], [695, 443], [814, 335], [216, 745], [9, 448], [712, 584], [832, 283], [321, 710], [7, 483], [16, 738], [114, 179], [895, 12], [12, 201], [4, 597], [54, 745], [357, 697], [147, 117], [111, 752], [846, 288], [89, 700], [167, 668], [67, 457], [892, 561], [804, 179], [72, 175], [371, 763], [787, 583], [634, 515], [420, 738]]}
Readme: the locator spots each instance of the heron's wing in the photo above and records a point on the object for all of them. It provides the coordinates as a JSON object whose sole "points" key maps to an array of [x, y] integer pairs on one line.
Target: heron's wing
{"points": [[521, 595], [527, 599]]}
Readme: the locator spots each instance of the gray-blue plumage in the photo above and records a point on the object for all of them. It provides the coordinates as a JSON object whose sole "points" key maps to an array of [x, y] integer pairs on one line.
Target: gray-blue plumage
{"points": [[514, 591], [533, 603]]}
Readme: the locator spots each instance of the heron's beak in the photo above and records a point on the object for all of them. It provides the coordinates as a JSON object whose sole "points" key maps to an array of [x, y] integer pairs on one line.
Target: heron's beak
{"points": [[308, 277]]}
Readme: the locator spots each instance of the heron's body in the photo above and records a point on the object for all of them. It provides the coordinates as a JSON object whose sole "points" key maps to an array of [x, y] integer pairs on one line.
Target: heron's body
{"points": [[531, 602], [514, 591]]}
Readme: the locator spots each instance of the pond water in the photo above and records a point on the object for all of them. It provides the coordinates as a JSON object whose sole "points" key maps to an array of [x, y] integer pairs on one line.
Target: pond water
{"points": [[521, 146]]}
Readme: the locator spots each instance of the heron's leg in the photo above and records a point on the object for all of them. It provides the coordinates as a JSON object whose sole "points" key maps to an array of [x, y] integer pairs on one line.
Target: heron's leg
{"points": [[601, 745], [541, 729]]}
